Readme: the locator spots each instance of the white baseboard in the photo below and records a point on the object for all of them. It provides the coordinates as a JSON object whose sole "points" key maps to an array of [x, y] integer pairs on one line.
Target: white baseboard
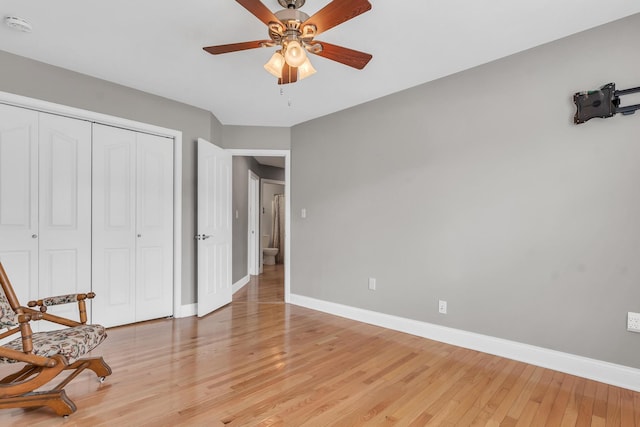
{"points": [[192, 309], [240, 284], [609, 373], [186, 311]]}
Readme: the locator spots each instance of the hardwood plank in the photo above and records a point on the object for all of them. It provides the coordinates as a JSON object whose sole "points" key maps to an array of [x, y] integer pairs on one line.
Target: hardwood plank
{"points": [[586, 405], [496, 382], [560, 404], [505, 404], [260, 362], [613, 407], [573, 404], [626, 410], [548, 398]]}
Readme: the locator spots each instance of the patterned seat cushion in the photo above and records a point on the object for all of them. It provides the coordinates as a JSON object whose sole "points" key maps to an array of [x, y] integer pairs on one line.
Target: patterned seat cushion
{"points": [[7, 315], [73, 343]]}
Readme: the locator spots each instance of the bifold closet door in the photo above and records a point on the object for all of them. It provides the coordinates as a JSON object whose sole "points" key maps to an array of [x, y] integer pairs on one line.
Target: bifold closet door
{"points": [[132, 226], [64, 211], [19, 198], [45, 205], [154, 227]]}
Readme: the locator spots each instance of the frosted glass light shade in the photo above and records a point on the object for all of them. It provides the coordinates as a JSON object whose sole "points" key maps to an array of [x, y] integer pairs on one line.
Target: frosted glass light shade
{"points": [[274, 66], [306, 70], [294, 54]]}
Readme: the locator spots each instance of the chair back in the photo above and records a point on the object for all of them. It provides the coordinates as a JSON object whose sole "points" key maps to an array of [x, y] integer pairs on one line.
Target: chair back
{"points": [[8, 302]]}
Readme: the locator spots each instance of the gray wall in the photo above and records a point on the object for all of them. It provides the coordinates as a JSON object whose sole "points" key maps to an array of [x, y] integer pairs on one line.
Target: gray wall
{"points": [[256, 137], [34, 79], [240, 202], [478, 189]]}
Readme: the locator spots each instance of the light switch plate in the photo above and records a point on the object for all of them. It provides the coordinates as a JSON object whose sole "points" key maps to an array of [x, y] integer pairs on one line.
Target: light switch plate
{"points": [[633, 322]]}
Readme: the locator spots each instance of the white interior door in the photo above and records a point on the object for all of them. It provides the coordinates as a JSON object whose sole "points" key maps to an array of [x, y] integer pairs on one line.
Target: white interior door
{"points": [[154, 227], [113, 275], [214, 227], [19, 199], [45, 206], [64, 207], [132, 226]]}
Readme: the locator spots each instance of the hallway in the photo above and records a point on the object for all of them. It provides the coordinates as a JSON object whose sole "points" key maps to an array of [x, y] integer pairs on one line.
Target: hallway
{"points": [[265, 288]]}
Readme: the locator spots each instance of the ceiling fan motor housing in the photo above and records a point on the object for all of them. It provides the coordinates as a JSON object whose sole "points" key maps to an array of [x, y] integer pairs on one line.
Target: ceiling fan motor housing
{"points": [[292, 19]]}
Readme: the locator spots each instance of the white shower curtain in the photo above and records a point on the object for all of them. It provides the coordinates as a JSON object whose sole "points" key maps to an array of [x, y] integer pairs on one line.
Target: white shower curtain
{"points": [[278, 226]]}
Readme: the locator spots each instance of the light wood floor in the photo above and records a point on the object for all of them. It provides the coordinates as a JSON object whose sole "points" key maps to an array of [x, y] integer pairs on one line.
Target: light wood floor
{"points": [[260, 362]]}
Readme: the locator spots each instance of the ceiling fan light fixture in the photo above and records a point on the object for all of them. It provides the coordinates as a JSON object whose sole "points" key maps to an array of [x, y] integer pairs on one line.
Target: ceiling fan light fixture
{"points": [[306, 70], [294, 54], [274, 65]]}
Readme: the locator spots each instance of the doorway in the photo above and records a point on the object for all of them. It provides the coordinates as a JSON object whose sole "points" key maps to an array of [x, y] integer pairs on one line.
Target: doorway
{"points": [[287, 222]]}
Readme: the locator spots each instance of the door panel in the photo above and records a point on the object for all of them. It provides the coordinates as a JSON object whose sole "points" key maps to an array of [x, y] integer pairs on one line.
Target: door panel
{"points": [[64, 210], [19, 199], [113, 275], [214, 227], [154, 217]]}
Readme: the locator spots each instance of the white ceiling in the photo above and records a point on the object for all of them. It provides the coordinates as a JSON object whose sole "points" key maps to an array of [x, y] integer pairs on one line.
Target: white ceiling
{"points": [[156, 46]]}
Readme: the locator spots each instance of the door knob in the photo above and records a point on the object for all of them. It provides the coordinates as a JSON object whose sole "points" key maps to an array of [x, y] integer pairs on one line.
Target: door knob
{"points": [[34, 236]]}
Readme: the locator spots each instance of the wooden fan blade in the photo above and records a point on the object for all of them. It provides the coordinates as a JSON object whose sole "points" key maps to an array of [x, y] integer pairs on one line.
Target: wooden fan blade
{"points": [[234, 47], [259, 10], [289, 75], [346, 56], [335, 13]]}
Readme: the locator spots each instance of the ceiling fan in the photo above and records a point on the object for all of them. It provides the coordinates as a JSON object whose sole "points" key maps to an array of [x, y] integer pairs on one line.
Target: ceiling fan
{"points": [[293, 31]]}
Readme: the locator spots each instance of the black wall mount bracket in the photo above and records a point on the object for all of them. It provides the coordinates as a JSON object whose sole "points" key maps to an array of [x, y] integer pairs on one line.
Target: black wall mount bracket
{"points": [[603, 103]]}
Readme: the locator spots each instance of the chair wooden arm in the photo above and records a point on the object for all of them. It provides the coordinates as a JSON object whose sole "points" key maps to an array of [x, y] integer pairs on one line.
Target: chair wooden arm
{"points": [[29, 316], [27, 357], [60, 299], [64, 299]]}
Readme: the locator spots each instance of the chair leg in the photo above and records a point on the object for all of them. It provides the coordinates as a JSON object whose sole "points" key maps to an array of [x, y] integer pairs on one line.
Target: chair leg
{"points": [[16, 390], [55, 399], [96, 364], [99, 366]]}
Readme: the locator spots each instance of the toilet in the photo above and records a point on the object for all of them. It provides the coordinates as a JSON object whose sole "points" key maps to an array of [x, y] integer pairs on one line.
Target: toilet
{"points": [[268, 254]]}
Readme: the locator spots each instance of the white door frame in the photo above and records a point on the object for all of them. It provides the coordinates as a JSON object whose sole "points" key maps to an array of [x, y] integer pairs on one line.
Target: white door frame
{"points": [[253, 229], [287, 193], [78, 113]]}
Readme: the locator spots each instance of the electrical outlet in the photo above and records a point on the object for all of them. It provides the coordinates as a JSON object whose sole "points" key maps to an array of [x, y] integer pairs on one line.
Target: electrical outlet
{"points": [[372, 283], [442, 307], [633, 322]]}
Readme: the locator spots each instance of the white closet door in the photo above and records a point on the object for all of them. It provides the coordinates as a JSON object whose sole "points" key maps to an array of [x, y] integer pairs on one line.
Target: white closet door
{"points": [[113, 275], [64, 210], [19, 199], [154, 227]]}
